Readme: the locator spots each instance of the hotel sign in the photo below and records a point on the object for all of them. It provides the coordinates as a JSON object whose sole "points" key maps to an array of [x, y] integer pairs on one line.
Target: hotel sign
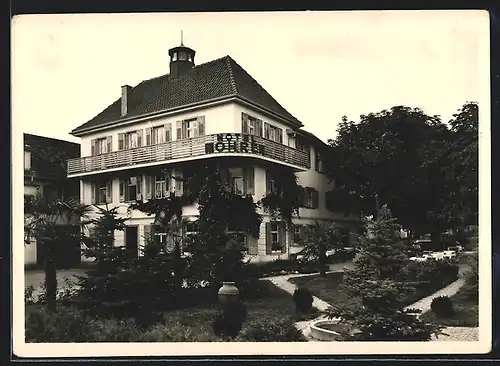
{"points": [[234, 143]]}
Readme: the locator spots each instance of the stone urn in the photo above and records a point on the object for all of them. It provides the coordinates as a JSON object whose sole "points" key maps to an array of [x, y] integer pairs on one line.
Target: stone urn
{"points": [[228, 293]]}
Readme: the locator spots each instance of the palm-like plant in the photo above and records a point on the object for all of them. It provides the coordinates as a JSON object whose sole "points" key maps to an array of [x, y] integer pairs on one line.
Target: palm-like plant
{"points": [[321, 237], [51, 222]]}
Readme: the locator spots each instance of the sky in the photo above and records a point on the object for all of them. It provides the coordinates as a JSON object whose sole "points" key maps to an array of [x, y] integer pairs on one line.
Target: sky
{"points": [[319, 65]]}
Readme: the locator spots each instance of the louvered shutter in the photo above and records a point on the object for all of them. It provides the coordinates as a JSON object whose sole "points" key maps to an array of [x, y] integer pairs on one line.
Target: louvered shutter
{"points": [[179, 130], [280, 135], [149, 136], [266, 130], [93, 147], [184, 129], [315, 198], [147, 233], [149, 186], [168, 132], [268, 181], [249, 180], [201, 126], [268, 238], [108, 143], [139, 188], [282, 237], [253, 245], [121, 141], [93, 188], [244, 123], [122, 190], [258, 127], [140, 135], [166, 187], [109, 192]]}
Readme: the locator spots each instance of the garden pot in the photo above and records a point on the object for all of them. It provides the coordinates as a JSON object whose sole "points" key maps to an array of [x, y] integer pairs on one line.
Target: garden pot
{"points": [[228, 293]]}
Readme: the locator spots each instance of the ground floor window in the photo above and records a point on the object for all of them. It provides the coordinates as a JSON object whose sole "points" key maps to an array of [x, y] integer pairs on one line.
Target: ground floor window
{"points": [[237, 234], [275, 237], [299, 233]]}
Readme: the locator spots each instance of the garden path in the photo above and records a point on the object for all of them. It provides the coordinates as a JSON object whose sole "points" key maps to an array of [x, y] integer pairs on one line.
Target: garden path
{"points": [[451, 333]]}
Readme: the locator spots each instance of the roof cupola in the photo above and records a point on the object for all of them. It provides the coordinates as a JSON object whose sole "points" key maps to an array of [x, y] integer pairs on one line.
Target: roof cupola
{"points": [[181, 59]]}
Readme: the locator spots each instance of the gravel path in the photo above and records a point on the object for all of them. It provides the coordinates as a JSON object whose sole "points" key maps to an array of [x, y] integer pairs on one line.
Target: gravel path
{"points": [[450, 333]]}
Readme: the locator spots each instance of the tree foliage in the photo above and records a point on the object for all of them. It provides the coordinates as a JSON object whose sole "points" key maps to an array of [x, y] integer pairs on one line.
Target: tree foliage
{"points": [[423, 170], [375, 279]]}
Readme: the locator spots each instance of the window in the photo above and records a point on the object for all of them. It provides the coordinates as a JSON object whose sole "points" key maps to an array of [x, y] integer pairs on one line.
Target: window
{"points": [[237, 181], [158, 135], [235, 232], [298, 233], [191, 228], [275, 237], [251, 125], [101, 193], [162, 186], [182, 56], [310, 198], [319, 161], [273, 133], [242, 180], [131, 189], [27, 160], [174, 56], [101, 146], [132, 139], [271, 186], [190, 128], [190, 57]]}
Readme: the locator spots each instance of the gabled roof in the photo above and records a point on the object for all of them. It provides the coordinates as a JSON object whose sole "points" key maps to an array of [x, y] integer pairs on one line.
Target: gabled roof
{"points": [[215, 80]]}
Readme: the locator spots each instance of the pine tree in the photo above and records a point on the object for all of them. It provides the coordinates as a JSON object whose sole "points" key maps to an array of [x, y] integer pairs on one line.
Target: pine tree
{"points": [[375, 279]]}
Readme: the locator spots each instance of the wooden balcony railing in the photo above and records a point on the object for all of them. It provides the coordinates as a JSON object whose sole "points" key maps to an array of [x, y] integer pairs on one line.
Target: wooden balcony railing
{"points": [[216, 144]]}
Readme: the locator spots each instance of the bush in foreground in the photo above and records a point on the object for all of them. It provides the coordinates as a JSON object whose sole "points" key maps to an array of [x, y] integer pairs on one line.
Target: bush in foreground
{"points": [[270, 330], [230, 320], [442, 306], [303, 299]]}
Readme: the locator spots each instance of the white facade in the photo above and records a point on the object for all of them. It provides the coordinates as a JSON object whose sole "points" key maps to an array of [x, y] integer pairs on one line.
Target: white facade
{"points": [[212, 119]]}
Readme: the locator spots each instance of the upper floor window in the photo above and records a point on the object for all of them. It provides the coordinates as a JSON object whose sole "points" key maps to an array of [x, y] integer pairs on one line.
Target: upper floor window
{"points": [[251, 125], [190, 128], [174, 56], [101, 145], [158, 186], [273, 133], [27, 160], [319, 165], [242, 180], [159, 134], [130, 140]]}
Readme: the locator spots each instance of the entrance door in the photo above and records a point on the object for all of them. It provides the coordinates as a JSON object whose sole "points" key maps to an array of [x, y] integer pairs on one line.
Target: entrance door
{"points": [[132, 239]]}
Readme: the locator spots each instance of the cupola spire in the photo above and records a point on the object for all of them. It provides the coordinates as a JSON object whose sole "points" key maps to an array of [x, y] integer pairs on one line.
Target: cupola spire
{"points": [[181, 58]]}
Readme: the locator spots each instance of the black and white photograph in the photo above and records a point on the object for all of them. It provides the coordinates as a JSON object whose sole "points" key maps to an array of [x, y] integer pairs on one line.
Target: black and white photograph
{"points": [[261, 183]]}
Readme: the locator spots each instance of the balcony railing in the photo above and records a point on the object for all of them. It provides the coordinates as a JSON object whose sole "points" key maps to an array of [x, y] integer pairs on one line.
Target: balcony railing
{"points": [[216, 144]]}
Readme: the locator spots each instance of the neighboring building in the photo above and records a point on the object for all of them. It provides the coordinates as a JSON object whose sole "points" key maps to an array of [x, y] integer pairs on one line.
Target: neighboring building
{"points": [[44, 172], [214, 110]]}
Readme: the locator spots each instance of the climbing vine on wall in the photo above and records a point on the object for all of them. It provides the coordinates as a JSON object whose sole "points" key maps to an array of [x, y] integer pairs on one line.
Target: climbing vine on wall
{"points": [[284, 202]]}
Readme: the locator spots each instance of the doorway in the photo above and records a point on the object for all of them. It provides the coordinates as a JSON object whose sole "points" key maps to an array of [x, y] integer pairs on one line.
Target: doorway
{"points": [[132, 239]]}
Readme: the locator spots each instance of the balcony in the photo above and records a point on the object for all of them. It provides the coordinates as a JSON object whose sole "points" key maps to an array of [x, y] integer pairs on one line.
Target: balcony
{"points": [[226, 144]]}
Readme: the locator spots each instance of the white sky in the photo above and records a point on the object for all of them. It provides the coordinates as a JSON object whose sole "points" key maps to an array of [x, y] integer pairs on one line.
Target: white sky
{"points": [[318, 65]]}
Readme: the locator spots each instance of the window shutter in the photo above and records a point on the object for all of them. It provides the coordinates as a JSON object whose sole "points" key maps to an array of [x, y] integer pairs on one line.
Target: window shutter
{"points": [[109, 192], [166, 188], [253, 246], [249, 180], [149, 136], [280, 135], [140, 134], [108, 143], [93, 147], [149, 190], [184, 129], [282, 236], [258, 127], [122, 190], [201, 126], [178, 186], [121, 141], [147, 233], [139, 188], [268, 238], [168, 132], [179, 130], [266, 130], [315, 198], [244, 123], [94, 193]]}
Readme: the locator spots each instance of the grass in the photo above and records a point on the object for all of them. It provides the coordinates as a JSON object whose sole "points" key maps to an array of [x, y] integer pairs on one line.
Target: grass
{"points": [[328, 289], [466, 312], [191, 324]]}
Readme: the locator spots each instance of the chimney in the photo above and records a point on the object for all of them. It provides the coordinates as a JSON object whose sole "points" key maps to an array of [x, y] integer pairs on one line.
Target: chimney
{"points": [[126, 89]]}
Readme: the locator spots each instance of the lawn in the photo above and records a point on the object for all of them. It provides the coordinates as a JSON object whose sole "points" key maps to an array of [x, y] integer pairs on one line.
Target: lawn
{"points": [[466, 312], [328, 289], [191, 324]]}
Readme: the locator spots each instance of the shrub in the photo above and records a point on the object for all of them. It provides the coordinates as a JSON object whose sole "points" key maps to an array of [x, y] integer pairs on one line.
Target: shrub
{"points": [[303, 299], [442, 306], [270, 330], [230, 320]]}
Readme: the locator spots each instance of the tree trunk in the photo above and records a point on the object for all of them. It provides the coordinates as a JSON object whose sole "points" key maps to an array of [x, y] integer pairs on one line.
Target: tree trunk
{"points": [[50, 275]]}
